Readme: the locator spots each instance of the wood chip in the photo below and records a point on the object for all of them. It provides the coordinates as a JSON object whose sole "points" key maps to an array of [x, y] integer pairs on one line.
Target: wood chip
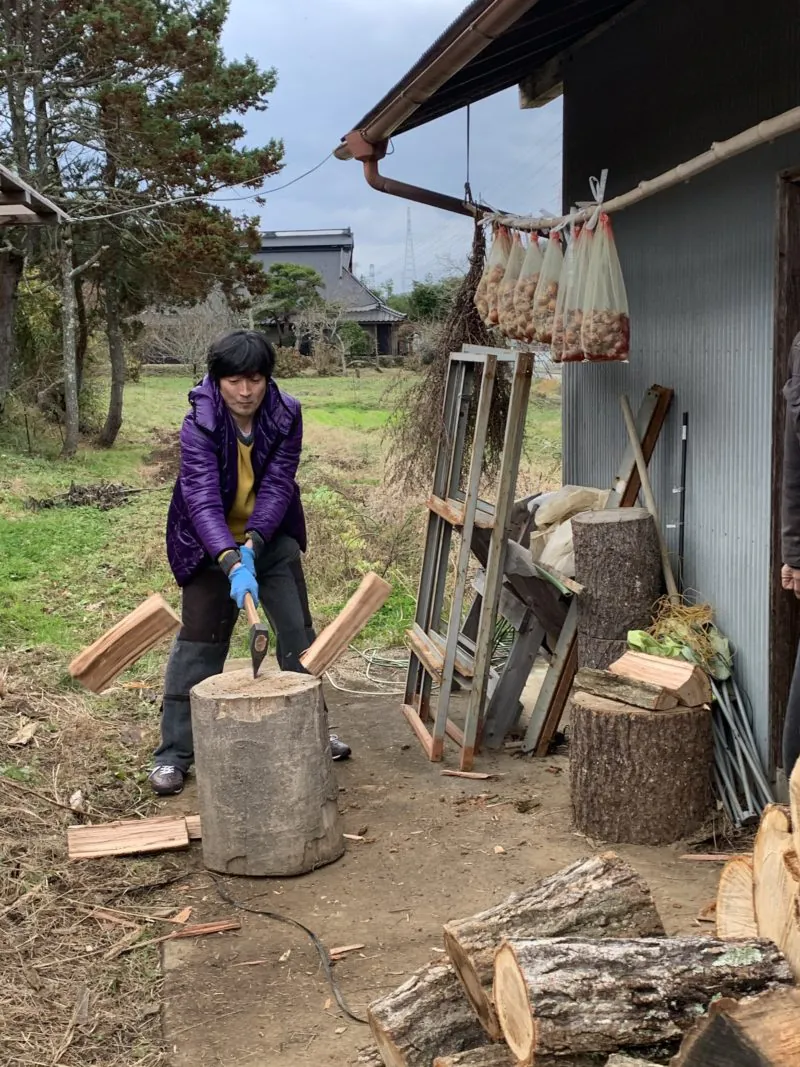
{"points": [[200, 930], [477, 776], [708, 914], [712, 857], [352, 837], [182, 916], [342, 950], [25, 733], [109, 917], [193, 827], [127, 838]]}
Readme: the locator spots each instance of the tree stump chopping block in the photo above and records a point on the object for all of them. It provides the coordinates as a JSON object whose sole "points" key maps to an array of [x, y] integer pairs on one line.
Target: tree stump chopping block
{"points": [[639, 777], [618, 563], [567, 996], [601, 896], [265, 780]]}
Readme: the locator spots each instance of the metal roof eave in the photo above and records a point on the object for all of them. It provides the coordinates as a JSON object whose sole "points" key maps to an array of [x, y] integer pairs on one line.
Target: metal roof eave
{"points": [[493, 45]]}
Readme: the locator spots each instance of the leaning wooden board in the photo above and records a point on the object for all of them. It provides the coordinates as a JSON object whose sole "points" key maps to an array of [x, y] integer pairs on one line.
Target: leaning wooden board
{"points": [[625, 491]]}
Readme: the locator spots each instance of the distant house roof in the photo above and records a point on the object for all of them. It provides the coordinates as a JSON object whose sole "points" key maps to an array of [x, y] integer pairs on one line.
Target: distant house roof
{"points": [[330, 252]]}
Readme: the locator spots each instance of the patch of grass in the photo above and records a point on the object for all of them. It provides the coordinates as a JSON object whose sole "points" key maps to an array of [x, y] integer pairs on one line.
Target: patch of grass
{"points": [[55, 955], [70, 573]]}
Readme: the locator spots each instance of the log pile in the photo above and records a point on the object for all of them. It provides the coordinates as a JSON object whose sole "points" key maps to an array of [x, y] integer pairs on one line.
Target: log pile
{"points": [[645, 725], [760, 896], [576, 972]]}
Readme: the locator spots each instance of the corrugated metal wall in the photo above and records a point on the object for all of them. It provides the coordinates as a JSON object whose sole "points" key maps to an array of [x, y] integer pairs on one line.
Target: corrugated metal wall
{"points": [[699, 263]]}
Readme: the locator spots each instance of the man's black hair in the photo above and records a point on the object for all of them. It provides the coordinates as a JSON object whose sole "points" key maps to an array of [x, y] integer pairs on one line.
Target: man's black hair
{"points": [[241, 352]]}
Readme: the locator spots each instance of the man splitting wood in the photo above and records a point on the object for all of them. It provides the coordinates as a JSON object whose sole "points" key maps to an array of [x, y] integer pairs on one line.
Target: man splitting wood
{"points": [[235, 526]]}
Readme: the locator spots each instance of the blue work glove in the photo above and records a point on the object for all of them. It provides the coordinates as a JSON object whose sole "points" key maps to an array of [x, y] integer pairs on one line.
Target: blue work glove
{"points": [[248, 558], [242, 583]]}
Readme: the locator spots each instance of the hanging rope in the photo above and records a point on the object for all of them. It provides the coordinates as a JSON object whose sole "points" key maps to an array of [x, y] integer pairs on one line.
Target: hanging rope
{"points": [[467, 185]]}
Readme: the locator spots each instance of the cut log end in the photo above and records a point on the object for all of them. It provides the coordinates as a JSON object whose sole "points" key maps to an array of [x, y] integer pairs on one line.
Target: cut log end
{"points": [[476, 994], [388, 1051], [735, 912], [572, 996], [512, 1005], [241, 685]]}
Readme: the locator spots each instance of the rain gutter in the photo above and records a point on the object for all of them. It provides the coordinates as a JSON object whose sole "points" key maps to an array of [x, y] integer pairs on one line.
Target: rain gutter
{"points": [[480, 24]]}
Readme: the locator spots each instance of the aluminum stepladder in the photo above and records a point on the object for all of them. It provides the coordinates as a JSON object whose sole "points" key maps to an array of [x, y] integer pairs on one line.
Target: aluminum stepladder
{"points": [[444, 655]]}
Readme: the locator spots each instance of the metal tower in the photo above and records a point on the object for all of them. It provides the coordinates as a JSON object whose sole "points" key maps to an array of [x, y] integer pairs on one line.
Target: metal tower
{"points": [[409, 265]]}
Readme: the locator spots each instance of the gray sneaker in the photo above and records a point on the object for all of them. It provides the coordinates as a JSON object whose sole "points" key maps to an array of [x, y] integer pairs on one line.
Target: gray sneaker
{"points": [[339, 750], [166, 781]]}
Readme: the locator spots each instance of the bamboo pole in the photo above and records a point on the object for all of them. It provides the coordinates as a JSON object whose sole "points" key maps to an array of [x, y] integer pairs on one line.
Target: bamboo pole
{"points": [[719, 152]]}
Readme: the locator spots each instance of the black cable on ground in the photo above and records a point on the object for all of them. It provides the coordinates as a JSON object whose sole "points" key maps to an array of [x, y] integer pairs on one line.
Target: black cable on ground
{"points": [[315, 941]]}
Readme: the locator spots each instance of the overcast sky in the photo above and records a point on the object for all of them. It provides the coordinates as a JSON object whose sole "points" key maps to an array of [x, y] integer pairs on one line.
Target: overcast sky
{"points": [[335, 59]]}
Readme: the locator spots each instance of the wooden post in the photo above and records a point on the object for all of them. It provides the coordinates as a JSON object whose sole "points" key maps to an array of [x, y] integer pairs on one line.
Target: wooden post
{"points": [[639, 777], [617, 562], [265, 781]]}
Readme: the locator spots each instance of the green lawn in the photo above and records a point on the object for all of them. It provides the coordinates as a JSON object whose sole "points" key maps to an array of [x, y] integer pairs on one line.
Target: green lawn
{"points": [[69, 573]]}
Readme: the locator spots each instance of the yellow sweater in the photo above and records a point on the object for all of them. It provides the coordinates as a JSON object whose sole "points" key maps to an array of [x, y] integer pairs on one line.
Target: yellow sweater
{"points": [[242, 509]]}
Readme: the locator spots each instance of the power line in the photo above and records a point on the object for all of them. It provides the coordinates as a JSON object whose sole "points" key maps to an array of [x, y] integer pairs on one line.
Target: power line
{"points": [[201, 196]]}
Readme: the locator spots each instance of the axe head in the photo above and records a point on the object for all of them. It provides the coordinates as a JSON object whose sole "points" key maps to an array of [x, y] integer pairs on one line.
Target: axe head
{"points": [[259, 645]]}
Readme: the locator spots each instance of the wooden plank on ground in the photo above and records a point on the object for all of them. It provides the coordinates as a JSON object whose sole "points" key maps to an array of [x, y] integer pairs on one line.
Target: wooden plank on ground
{"points": [[127, 838], [686, 681], [99, 664]]}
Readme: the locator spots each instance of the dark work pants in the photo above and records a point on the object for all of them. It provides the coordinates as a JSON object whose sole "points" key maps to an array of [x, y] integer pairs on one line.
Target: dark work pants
{"points": [[791, 726], [208, 616]]}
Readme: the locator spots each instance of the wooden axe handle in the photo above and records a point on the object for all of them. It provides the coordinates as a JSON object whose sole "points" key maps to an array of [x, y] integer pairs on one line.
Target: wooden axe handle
{"points": [[252, 612]]}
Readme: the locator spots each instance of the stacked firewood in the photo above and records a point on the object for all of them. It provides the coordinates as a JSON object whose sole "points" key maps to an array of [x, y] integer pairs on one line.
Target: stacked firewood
{"points": [[577, 971], [759, 895]]}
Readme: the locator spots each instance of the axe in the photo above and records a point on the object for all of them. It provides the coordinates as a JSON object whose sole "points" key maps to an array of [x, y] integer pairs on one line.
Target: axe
{"points": [[259, 634]]}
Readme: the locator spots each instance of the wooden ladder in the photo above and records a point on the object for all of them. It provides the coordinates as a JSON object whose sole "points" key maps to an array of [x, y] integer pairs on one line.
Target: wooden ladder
{"points": [[440, 652]]}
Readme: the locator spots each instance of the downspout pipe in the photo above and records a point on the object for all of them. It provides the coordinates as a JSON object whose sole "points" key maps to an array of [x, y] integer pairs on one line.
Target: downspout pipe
{"points": [[379, 181], [371, 154]]}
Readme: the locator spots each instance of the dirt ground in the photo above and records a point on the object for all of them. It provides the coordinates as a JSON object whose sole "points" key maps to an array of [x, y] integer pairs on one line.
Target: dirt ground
{"points": [[258, 997]]}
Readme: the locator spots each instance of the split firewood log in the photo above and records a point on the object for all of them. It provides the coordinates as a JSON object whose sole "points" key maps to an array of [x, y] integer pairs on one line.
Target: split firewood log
{"points": [[689, 683], [756, 1032], [794, 803], [427, 1016], [601, 896], [776, 883], [736, 909], [573, 995]]}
